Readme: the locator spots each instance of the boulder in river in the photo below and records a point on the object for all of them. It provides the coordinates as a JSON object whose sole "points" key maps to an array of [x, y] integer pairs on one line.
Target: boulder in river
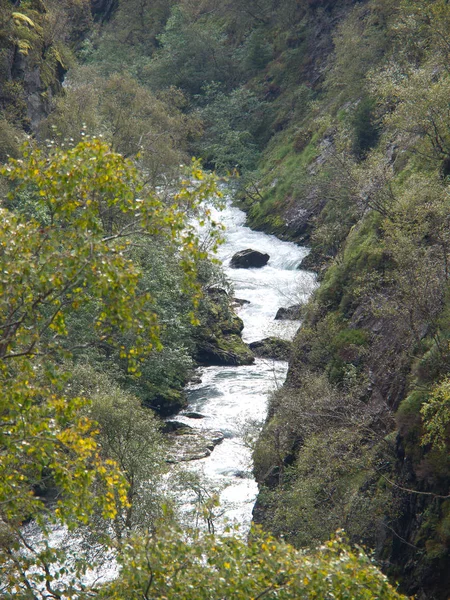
{"points": [[193, 444], [225, 350], [194, 415], [291, 313], [218, 339], [175, 427], [272, 347], [247, 259], [240, 302]]}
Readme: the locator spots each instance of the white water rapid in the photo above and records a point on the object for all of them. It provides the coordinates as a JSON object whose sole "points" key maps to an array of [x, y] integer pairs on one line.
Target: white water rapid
{"points": [[232, 397], [228, 397]]}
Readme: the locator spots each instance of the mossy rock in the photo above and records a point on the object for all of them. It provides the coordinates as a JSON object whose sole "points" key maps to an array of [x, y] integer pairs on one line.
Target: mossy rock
{"points": [[272, 347], [218, 338], [224, 350], [167, 402]]}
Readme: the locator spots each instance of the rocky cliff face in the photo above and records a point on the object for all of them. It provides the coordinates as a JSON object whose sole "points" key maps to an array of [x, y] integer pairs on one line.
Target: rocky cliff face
{"points": [[344, 445], [32, 65]]}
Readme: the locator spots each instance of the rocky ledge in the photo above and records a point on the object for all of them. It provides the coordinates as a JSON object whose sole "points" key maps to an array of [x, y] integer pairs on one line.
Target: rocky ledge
{"points": [[188, 443], [291, 313], [272, 347]]}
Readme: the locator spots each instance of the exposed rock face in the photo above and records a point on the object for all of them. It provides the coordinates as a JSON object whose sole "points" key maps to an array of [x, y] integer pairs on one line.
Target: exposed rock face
{"points": [[313, 262], [249, 259], [292, 313], [38, 94], [29, 79], [272, 347]]}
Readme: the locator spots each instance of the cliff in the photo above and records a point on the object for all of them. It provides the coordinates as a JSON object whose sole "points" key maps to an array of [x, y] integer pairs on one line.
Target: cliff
{"points": [[358, 437]]}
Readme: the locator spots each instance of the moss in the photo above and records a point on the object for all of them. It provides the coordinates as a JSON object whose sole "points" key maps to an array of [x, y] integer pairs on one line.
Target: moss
{"points": [[409, 422], [218, 340], [363, 253], [232, 350], [272, 348], [346, 337]]}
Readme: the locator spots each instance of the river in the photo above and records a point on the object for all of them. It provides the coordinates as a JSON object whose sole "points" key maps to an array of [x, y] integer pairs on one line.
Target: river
{"points": [[233, 400]]}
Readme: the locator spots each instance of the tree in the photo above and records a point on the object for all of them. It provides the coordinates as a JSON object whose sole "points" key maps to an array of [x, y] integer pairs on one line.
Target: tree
{"points": [[436, 415], [67, 248], [234, 125], [129, 434], [193, 52], [148, 128], [169, 565]]}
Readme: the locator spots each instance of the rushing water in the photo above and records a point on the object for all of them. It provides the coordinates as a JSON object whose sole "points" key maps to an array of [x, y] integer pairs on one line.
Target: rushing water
{"points": [[232, 398]]}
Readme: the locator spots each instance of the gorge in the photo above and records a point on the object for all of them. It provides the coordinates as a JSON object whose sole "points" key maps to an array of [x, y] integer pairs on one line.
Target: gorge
{"points": [[331, 120]]}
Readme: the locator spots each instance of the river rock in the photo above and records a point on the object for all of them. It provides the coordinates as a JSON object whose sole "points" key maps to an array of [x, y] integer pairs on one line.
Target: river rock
{"points": [[167, 402], [194, 415], [240, 301], [272, 347], [291, 313], [247, 259], [224, 351], [193, 444], [175, 427]]}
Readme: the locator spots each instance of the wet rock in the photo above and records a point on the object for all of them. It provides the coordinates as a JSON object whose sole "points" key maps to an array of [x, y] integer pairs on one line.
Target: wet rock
{"points": [[192, 444], [272, 347], [240, 301], [240, 474], [175, 427], [168, 402], [313, 262], [291, 313], [249, 259], [216, 292], [194, 415], [218, 340], [227, 350]]}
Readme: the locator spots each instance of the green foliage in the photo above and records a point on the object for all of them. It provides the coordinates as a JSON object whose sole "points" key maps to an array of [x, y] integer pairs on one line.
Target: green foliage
{"points": [[256, 52], [324, 449], [360, 42], [193, 53], [129, 37], [73, 255], [150, 129], [10, 138], [171, 566], [366, 130], [436, 415], [234, 128], [130, 435]]}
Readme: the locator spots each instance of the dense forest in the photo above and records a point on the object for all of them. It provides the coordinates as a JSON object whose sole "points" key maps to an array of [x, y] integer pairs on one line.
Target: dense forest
{"points": [[330, 121]]}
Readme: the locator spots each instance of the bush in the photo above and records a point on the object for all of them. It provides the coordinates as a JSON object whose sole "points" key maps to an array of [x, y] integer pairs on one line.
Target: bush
{"points": [[171, 566]]}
